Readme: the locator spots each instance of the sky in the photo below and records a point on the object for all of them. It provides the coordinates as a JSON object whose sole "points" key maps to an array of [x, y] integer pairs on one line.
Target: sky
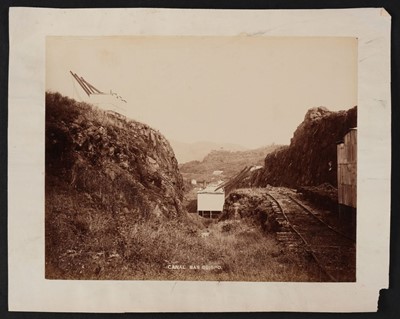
{"points": [[251, 91]]}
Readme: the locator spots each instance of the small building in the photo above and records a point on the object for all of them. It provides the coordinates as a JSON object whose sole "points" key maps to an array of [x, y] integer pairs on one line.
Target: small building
{"points": [[210, 201], [347, 175], [218, 173], [193, 182]]}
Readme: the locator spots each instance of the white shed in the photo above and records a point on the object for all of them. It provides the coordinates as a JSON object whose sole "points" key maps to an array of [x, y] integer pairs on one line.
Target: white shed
{"points": [[210, 202]]}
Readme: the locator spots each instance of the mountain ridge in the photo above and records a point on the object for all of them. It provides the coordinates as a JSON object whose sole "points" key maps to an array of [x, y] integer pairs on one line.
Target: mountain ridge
{"points": [[186, 152], [229, 162]]}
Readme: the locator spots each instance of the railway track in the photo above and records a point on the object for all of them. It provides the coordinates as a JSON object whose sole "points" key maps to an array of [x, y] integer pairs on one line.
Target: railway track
{"points": [[305, 231]]}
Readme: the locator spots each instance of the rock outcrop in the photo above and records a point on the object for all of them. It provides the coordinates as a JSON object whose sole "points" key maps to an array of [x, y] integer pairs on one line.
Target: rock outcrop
{"points": [[105, 176], [252, 204], [110, 157], [310, 159]]}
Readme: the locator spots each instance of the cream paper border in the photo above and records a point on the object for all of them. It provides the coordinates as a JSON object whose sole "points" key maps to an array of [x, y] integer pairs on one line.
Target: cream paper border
{"points": [[29, 291]]}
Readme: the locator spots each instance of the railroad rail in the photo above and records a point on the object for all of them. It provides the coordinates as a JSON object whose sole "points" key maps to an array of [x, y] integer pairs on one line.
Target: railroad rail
{"points": [[302, 229]]}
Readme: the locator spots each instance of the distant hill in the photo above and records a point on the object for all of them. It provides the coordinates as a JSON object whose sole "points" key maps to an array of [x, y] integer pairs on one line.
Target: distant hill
{"points": [[229, 162], [185, 152]]}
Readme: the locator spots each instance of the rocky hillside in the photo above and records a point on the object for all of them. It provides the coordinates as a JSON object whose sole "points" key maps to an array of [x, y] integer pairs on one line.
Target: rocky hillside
{"points": [[104, 173], [229, 162], [310, 159], [186, 152]]}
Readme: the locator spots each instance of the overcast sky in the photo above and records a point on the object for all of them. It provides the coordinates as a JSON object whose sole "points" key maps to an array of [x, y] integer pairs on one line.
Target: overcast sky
{"points": [[251, 91]]}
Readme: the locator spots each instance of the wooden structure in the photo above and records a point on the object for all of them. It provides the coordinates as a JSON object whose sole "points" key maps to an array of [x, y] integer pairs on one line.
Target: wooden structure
{"points": [[347, 173], [210, 202], [85, 85], [237, 180], [107, 101]]}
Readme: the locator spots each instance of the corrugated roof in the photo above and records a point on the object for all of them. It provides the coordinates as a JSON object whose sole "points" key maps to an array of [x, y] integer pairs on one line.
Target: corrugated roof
{"points": [[210, 189]]}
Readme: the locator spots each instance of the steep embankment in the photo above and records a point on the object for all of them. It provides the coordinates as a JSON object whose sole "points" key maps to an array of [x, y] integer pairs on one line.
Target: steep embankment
{"points": [[310, 159], [104, 174]]}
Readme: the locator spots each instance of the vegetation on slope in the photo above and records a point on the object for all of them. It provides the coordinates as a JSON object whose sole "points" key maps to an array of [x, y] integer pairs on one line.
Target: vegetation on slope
{"points": [[311, 157], [104, 173], [227, 161], [186, 152], [113, 209]]}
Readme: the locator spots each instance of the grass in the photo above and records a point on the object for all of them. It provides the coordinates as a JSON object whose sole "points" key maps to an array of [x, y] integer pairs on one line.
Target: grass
{"points": [[109, 214], [96, 245]]}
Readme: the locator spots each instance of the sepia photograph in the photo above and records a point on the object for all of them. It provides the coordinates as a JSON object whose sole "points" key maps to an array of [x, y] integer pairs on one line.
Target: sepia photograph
{"points": [[179, 160], [201, 158]]}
